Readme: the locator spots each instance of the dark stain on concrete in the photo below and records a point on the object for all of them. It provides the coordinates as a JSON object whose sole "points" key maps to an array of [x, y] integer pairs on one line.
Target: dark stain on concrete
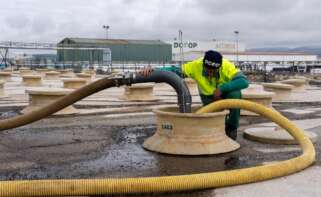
{"points": [[96, 147]]}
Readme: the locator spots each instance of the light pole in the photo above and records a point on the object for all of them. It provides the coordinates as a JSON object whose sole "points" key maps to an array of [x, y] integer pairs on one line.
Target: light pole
{"points": [[181, 52], [237, 46], [106, 27]]}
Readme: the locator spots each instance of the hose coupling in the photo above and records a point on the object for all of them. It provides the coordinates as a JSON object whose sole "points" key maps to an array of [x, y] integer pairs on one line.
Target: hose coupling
{"points": [[123, 78]]}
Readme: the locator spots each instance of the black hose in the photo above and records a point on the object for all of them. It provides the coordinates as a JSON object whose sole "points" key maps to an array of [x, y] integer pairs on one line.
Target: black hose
{"points": [[184, 98]]}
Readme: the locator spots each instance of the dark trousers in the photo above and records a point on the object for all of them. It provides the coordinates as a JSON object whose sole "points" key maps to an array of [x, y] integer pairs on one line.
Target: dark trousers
{"points": [[233, 118]]}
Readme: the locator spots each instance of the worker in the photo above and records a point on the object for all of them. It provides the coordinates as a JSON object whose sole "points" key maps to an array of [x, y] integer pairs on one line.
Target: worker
{"points": [[217, 78]]}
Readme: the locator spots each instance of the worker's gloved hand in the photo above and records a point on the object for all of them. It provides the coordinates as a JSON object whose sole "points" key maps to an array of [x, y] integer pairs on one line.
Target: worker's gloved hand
{"points": [[217, 94], [146, 71]]}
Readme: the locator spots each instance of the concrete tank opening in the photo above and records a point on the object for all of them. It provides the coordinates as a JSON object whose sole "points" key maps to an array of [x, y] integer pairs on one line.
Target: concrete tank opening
{"points": [[190, 133], [41, 97], [282, 91], [256, 93], [74, 83], [32, 80], [139, 92]]}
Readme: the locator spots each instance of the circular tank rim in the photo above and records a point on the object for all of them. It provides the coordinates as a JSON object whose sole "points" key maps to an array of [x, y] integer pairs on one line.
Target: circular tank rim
{"points": [[5, 73], [278, 86], [32, 76], [42, 69], [49, 92], [74, 80], [258, 95], [83, 75], [162, 111], [65, 70], [294, 82], [52, 72], [140, 86]]}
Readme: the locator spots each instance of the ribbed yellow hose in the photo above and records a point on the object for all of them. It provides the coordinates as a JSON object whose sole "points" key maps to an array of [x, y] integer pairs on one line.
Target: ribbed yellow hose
{"points": [[176, 183]]}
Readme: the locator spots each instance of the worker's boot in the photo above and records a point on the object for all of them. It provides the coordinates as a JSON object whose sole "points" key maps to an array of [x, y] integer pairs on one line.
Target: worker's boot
{"points": [[233, 118]]}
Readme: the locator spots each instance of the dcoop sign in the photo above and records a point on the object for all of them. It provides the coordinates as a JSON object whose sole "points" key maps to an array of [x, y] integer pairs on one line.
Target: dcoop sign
{"points": [[190, 45]]}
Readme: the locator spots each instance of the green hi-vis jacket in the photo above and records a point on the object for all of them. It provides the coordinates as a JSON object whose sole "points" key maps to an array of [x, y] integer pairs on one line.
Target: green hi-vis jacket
{"points": [[206, 85]]}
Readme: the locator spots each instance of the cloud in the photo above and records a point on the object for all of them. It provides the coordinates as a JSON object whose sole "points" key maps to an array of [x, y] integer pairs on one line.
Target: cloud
{"points": [[260, 23]]}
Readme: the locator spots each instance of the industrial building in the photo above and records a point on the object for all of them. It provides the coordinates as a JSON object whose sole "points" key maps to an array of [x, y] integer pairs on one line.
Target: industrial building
{"points": [[147, 51], [134, 54], [236, 52]]}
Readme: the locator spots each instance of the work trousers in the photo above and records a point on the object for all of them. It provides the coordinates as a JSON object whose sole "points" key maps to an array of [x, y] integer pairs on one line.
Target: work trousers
{"points": [[233, 118]]}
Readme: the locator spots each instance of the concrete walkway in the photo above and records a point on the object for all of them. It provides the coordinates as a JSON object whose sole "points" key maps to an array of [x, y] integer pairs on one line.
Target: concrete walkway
{"points": [[305, 183]]}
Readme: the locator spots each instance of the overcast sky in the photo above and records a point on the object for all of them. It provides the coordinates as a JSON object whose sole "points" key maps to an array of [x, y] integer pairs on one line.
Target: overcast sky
{"points": [[260, 22]]}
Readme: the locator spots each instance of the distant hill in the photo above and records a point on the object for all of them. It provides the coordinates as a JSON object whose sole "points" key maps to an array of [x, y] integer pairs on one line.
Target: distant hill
{"points": [[314, 50]]}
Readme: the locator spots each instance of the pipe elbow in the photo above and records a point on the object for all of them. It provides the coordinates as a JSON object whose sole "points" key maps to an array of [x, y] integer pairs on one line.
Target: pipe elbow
{"points": [[160, 76]]}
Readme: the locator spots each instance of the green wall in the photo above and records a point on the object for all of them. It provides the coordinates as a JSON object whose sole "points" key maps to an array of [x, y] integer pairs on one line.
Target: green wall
{"points": [[150, 52]]}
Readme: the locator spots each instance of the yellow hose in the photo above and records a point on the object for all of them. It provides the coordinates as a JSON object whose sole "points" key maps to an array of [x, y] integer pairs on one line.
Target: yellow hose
{"points": [[176, 183]]}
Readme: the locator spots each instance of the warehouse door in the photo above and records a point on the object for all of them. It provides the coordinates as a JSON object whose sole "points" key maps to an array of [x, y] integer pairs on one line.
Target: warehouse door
{"points": [[106, 64]]}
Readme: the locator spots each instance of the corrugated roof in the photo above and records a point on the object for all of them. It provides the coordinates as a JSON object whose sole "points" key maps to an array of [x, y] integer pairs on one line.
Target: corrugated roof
{"points": [[111, 41]]}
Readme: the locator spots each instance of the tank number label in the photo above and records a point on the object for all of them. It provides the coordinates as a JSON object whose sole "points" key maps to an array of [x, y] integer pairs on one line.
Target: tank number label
{"points": [[167, 126]]}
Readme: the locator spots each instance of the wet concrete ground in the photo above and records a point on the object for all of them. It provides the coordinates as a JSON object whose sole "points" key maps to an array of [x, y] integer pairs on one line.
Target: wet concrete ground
{"points": [[96, 146], [99, 147]]}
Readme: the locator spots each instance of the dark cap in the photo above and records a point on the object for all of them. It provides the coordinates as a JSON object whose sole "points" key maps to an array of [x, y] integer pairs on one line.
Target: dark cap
{"points": [[212, 59]]}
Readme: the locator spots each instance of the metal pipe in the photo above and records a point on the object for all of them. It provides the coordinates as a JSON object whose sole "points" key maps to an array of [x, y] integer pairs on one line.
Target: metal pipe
{"points": [[184, 98]]}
